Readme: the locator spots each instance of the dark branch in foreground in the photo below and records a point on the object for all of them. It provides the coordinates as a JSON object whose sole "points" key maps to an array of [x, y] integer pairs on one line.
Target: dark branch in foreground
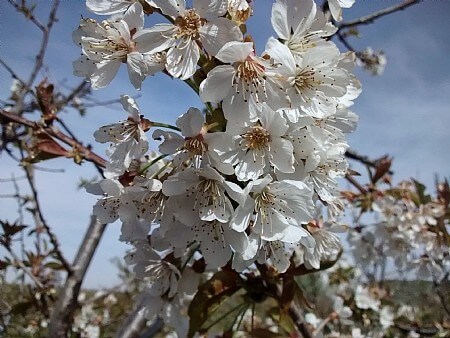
{"points": [[62, 316]]}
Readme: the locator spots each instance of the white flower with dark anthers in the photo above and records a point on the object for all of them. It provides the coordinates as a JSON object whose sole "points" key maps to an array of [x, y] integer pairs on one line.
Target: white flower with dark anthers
{"points": [[192, 29], [127, 137], [106, 209], [280, 252], [109, 44], [299, 25], [275, 210], [327, 247], [216, 240], [109, 7], [252, 149], [162, 277], [191, 147], [242, 84], [313, 81], [323, 177], [336, 7], [204, 192], [143, 200]]}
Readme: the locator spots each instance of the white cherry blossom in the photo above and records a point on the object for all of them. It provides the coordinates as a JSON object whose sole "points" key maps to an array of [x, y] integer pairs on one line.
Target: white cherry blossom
{"points": [[275, 210], [300, 25], [127, 137], [242, 84], [107, 45], [191, 147], [252, 149], [203, 193], [192, 30]]}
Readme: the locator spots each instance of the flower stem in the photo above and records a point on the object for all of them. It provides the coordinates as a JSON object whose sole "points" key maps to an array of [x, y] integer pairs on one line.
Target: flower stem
{"points": [[196, 88], [147, 166], [165, 125]]}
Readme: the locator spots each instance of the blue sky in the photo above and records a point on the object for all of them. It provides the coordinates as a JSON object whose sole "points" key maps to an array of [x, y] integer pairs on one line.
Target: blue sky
{"points": [[404, 112]]}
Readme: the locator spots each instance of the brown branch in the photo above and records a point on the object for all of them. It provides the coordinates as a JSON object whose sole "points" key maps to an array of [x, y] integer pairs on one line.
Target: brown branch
{"points": [[356, 184], [364, 160], [365, 20], [86, 153], [63, 312], [295, 313], [299, 321]]}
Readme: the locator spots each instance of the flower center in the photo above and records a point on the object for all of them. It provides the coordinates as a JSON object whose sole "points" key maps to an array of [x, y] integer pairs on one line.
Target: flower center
{"points": [[249, 71], [189, 25], [262, 201], [304, 80], [256, 138], [195, 145]]}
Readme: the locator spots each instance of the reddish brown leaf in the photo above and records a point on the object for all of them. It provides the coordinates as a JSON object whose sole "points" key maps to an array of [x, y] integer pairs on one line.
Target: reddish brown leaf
{"points": [[44, 93]]}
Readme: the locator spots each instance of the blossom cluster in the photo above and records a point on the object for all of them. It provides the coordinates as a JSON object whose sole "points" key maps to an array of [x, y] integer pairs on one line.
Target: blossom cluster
{"points": [[406, 230], [243, 183]]}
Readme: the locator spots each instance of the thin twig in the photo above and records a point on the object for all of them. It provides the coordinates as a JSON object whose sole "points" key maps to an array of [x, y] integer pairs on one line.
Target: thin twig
{"points": [[363, 159], [40, 218], [365, 20], [11, 71], [28, 14], [23, 267]]}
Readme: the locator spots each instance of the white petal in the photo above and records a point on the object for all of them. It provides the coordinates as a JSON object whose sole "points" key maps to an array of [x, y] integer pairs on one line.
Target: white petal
{"points": [[107, 7], [215, 34], [279, 20], [104, 74], [130, 105], [217, 85], [155, 39], [191, 123], [173, 8], [136, 69], [172, 141], [282, 155], [182, 63], [237, 240], [134, 17], [235, 51], [210, 9]]}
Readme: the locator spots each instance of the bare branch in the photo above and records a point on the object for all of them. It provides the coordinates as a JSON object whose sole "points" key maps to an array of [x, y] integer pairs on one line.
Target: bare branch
{"points": [[365, 20], [11, 71], [39, 216], [62, 316]]}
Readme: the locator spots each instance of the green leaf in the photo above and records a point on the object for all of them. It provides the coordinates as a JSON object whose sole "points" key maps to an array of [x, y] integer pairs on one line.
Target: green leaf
{"points": [[54, 266], [420, 188], [210, 296]]}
